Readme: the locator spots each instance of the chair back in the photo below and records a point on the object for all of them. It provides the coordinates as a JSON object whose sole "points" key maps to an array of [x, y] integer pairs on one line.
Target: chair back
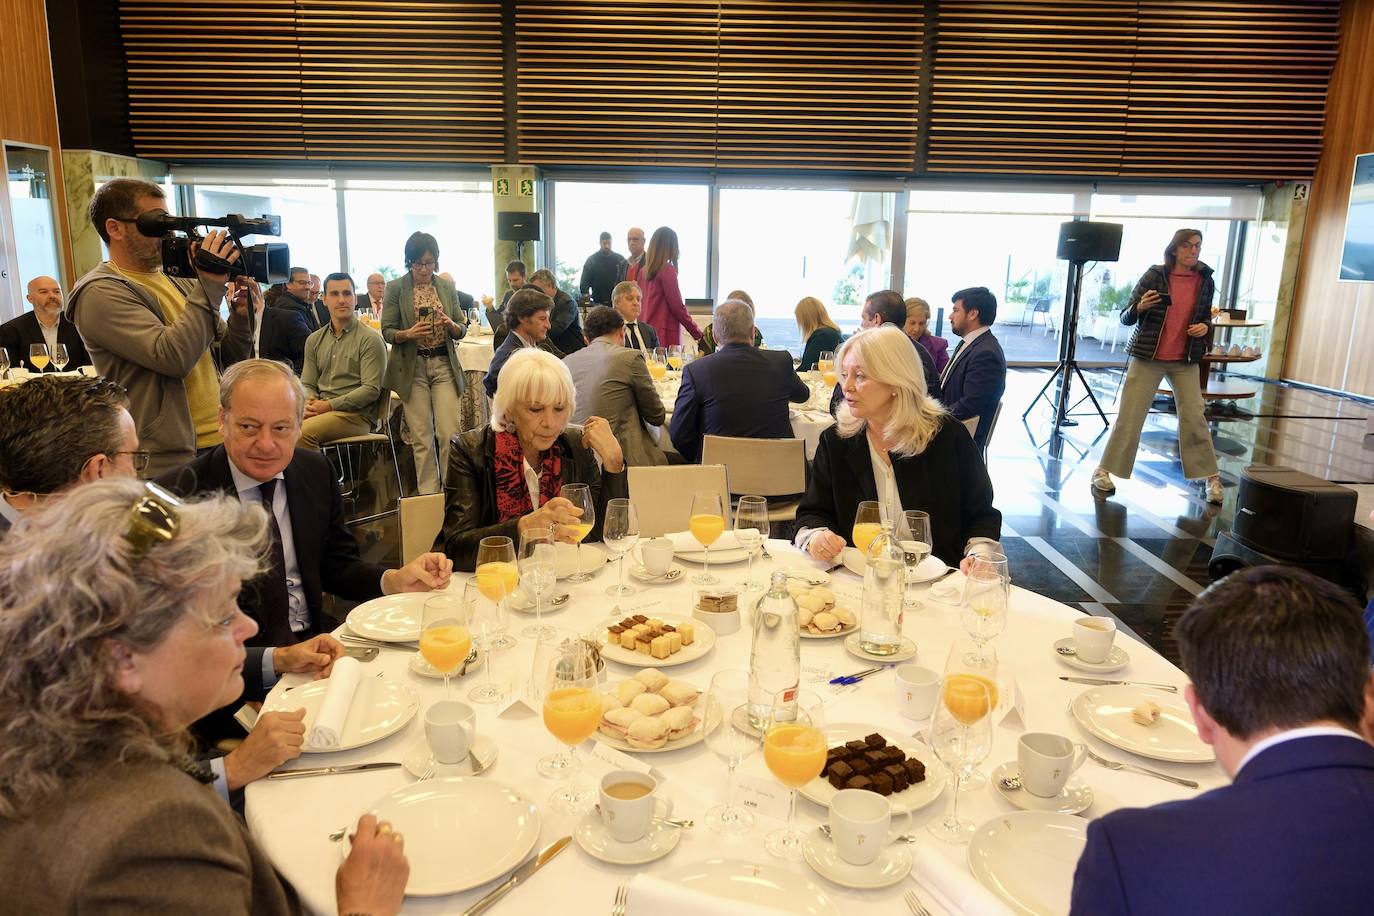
{"points": [[421, 519], [759, 467], [662, 494]]}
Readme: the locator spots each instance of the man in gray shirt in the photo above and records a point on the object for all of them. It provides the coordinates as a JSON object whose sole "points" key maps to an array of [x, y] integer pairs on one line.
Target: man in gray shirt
{"points": [[344, 364]]}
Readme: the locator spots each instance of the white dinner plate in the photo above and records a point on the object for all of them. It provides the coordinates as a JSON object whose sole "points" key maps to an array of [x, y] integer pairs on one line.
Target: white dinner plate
{"points": [[380, 707], [1106, 713], [930, 569], [461, 831], [1115, 660], [390, 618], [701, 644], [892, 865], [1028, 858], [721, 555], [695, 736], [912, 798], [758, 884], [596, 840], [567, 559]]}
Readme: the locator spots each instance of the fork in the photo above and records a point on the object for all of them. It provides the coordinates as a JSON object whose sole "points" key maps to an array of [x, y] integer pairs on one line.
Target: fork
{"points": [[622, 899], [1118, 765], [914, 904]]}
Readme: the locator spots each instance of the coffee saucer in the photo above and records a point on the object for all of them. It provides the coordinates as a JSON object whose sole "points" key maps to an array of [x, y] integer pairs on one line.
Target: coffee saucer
{"points": [[1115, 660], [892, 865], [596, 840], [905, 652], [418, 759], [1076, 797], [640, 574]]}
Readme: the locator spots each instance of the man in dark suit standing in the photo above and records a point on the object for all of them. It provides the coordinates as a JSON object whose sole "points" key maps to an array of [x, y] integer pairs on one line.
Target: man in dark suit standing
{"points": [[1279, 662], [627, 299], [739, 390], [975, 377], [44, 325]]}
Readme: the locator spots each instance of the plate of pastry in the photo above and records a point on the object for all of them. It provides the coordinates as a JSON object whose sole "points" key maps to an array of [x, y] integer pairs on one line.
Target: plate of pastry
{"points": [[821, 613], [1151, 723], [858, 756], [655, 642], [650, 713]]}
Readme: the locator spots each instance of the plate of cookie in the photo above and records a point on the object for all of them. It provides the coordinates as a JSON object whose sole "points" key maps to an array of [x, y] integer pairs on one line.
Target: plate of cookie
{"points": [[650, 713], [821, 613], [655, 642], [867, 757]]}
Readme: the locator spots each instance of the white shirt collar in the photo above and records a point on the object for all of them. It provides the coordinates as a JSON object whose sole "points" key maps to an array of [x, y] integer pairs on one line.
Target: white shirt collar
{"points": [[1293, 734], [973, 335], [524, 341], [243, 483]]}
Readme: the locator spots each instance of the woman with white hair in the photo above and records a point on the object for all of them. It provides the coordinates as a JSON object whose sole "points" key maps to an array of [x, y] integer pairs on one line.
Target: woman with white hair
{"points": [[505, 479], [119, 627], [895, 444]]}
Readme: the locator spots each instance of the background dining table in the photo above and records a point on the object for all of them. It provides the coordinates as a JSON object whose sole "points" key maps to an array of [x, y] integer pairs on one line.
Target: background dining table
{"points": [[808, 420], [292, 819]]}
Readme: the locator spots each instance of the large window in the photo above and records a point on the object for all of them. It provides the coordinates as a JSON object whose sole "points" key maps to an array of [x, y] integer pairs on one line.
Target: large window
{"points": [[582, 210], [382, 214], [31, 214], [309, 216]]}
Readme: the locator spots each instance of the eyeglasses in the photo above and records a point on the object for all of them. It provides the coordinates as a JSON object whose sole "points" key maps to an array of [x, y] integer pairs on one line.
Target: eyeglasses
{"points": [[427, 265], [152, 520], [139, 458], [1196, 246]]}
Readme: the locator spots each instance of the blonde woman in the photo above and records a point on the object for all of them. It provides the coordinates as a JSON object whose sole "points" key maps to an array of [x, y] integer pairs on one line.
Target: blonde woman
{"points": [[119, 627], [818, 330], [917, 327], [895, 444]]}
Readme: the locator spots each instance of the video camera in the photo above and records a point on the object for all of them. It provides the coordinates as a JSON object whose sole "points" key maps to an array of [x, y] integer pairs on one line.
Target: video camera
{"points": [[267, 262]]}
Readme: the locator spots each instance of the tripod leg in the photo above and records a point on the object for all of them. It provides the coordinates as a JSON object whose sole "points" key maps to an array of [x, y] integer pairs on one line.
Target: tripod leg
{"points": [[1091, 396], [1050, 381]]}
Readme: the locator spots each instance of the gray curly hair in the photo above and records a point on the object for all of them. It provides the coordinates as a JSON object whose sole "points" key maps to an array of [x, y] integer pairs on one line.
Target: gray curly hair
{"points": [[70, 589]]}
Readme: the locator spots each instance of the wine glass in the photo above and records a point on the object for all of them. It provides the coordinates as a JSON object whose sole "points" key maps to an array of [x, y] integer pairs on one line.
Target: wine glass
{"points": [[675, 357], [965, 660], [868, 524], [4, 362], [707, 524], [794, 751], [620, 533], [751, 530], [961, 736], [572, 712], [913, 536], [38, 356], [546, 648], [987, 591], [445, 639], [796, 363], [580, 495], [59, 356], [538, 572], [495, 579], [730, 737]]}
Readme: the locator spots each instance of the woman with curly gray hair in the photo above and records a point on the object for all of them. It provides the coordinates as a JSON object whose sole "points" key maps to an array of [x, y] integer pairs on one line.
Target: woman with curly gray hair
{"points": [[119, 627]]}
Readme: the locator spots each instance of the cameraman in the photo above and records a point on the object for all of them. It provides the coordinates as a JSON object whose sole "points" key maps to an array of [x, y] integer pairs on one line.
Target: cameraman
{"points": [[153, 333]]}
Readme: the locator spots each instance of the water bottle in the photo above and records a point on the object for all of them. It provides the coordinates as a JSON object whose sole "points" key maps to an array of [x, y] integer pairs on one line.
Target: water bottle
{"points": [[880, 626], [775, 656]]}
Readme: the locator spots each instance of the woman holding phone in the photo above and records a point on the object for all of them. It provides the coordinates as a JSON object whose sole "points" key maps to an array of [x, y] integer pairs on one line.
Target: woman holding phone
{"points": [[1171, 307], [421, 318]]}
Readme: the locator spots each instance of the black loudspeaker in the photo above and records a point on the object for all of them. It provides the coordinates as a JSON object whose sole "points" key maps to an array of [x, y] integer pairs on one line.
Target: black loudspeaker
{"points": [[1083, 241], [1292, 515], [517, 227]]}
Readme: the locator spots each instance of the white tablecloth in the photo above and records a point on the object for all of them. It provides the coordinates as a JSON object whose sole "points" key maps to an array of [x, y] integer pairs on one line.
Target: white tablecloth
{"points": [[809, 420], [475, 352], [291, 819]]}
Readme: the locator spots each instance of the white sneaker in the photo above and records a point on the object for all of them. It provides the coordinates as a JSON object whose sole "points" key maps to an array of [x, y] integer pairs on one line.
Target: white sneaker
{"points": [[1102, 482], [1215, 494]]}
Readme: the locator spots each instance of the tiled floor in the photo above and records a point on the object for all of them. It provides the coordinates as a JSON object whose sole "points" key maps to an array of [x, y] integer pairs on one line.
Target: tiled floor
{"points": [[1141, 555]]}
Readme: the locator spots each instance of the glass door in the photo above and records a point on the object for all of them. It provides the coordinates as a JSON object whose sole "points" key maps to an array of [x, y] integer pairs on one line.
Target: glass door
{"points": [[32, 216]]}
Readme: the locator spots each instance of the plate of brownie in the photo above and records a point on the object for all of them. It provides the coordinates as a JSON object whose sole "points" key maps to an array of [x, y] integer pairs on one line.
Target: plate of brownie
{"points": [[867, 757]]}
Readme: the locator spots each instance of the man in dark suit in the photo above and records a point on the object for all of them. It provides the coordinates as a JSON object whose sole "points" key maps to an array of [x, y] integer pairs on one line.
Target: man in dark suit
{"points": [[44, 325], [627, 299], [565, 322], [295, 297], [976, 375], [738, 390], [321, 310], [527, 315], [1279, 662], [887, 306]]}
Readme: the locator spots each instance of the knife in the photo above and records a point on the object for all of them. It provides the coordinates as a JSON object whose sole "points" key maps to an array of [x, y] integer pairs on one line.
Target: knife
{"points": [[1098, 682], [518, 876], [364, 641], [330, 771]]}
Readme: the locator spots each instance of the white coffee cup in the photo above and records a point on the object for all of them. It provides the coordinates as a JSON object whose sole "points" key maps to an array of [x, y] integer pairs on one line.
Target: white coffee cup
{"points": [[1092, 638], [451, 729], [1046, 761], [918, 689], [860, 825], [656, 555], [629, 819]]}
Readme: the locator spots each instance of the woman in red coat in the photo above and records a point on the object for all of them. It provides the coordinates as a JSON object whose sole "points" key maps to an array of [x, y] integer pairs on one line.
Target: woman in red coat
{"points": [[663, 308]]}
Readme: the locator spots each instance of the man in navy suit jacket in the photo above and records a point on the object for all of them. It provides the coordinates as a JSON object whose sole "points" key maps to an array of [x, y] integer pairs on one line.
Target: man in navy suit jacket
{"points": [[887, 306], [1279, 661], [975, 377], [738, 390]]}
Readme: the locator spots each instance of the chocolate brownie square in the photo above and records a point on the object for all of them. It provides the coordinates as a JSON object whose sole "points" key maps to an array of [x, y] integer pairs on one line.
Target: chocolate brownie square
{"points": [[895, 755], [882, 783], [899, 777], [860, 782], [837, 753], [875, 740], [840, 768], [857, 747], [915, 770], [877, 758], [837, 780], [861, 766]]}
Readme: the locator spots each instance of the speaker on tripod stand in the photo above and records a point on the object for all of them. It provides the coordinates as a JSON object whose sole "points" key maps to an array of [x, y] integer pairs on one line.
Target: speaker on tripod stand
{"points": [[1079, 243]]}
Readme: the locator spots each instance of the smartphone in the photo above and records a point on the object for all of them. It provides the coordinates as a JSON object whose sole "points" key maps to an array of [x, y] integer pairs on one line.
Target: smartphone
{"points": [[426, 311], [1165, 299]]}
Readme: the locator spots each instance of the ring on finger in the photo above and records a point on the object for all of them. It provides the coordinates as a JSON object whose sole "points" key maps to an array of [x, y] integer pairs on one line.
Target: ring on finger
{"points": [[383, 828], [398, 838]]}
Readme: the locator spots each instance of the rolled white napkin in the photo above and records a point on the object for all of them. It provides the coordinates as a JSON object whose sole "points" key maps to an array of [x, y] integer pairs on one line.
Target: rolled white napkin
{"points": [[950, 589], [959, 891], [650, 896], [338, 697], [683, 541]]}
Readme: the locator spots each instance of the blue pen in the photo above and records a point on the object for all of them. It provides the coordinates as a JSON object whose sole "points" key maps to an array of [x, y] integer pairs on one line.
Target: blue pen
{"points": [[847, 679]]}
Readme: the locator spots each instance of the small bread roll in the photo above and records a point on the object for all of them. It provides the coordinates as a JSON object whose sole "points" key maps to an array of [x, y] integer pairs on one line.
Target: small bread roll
{"points": [[649, 704], [679, 693], [812, 602], [680, 721], [626, 691], [823, 593], [845, 616], [610, 701], [652, 678], [616, 721], [825, 621], [1147, 713], [647, 732], [804, 616]]}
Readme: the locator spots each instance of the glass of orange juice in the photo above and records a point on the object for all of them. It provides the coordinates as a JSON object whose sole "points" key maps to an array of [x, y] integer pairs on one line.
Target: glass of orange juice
{"points": [[580, 495], [572, 712], [867, 525], [961, 736], [494, 579], [707, 524], [445, 636], [969, 663], [794, 752]]}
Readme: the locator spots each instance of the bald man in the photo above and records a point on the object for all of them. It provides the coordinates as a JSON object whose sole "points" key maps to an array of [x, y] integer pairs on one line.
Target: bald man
{"points": [[376, 291], [634, 262], [44, 325]]}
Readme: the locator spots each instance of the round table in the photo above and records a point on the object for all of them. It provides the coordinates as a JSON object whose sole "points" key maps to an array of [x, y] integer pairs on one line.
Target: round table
{"points": [[291, 819], [808, 420]]}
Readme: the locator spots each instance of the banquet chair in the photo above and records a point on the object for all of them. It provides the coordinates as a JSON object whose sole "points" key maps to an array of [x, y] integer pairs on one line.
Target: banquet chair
{"points": [[662, 494], [772, 468], [422, 517], [348, 462]]}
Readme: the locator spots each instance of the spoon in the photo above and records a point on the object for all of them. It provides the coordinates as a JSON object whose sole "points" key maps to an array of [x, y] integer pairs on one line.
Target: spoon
{"points": [[672, 822], [472, 657], [1066, 650], [1010, 783], [903, 838]]}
